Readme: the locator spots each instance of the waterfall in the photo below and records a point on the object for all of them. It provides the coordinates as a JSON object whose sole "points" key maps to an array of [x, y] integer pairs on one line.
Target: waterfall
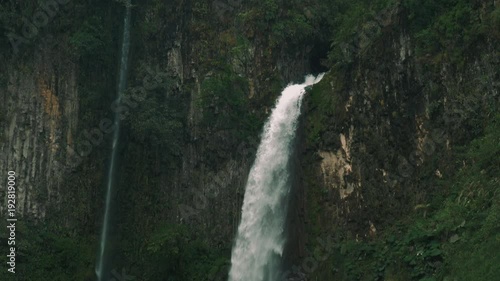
{"points": [[122, 82], [258, 249]]}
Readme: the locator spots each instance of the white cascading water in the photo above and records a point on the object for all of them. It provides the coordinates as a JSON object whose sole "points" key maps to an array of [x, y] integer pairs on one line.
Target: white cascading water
{"points": [[122, 82], [260, 240]]}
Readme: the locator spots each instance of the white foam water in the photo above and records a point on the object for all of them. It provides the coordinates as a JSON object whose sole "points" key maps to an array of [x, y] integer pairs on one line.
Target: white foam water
{"points": [[259, 244]]}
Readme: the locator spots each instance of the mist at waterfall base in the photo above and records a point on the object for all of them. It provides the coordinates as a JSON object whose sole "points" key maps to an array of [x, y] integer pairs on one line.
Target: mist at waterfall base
{"points": [[258, 249], [100, 269]]}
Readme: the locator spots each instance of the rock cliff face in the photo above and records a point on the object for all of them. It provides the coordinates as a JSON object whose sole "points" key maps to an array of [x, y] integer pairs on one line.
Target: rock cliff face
{"points": [[54, 101], [205, 186], [40, 118], [381, 130], [376, 131], [391, 123]]}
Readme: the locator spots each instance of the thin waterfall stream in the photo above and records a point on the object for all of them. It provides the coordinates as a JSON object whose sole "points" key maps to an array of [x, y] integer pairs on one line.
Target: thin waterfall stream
{"points": [[122, 82], [258, 249]]}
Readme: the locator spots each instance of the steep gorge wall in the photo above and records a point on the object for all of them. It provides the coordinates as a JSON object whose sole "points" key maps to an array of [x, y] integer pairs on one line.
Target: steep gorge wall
{"points": [[380, 132], [186, 149], [375, 132], [201, 184], [40, 118], [53, 98]]}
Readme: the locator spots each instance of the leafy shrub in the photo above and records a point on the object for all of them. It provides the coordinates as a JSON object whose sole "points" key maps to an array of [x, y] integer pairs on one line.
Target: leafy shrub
{"points": [[176, 254], [225, 105], [88, 39]]}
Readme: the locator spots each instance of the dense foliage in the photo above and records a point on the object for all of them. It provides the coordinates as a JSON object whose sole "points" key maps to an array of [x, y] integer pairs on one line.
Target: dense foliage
{"points": [[457, 236], [175, 253]]}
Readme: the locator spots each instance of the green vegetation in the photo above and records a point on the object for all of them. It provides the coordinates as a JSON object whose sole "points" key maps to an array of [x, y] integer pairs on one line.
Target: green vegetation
{"points": [[159, 119], [446, 28], [454, 235], [175, 253], [452, 27], [350, 19], [322, 106], [459, 239], [456, 239], [279, 22], [46, 253], [87, 41], [225, 105]]}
